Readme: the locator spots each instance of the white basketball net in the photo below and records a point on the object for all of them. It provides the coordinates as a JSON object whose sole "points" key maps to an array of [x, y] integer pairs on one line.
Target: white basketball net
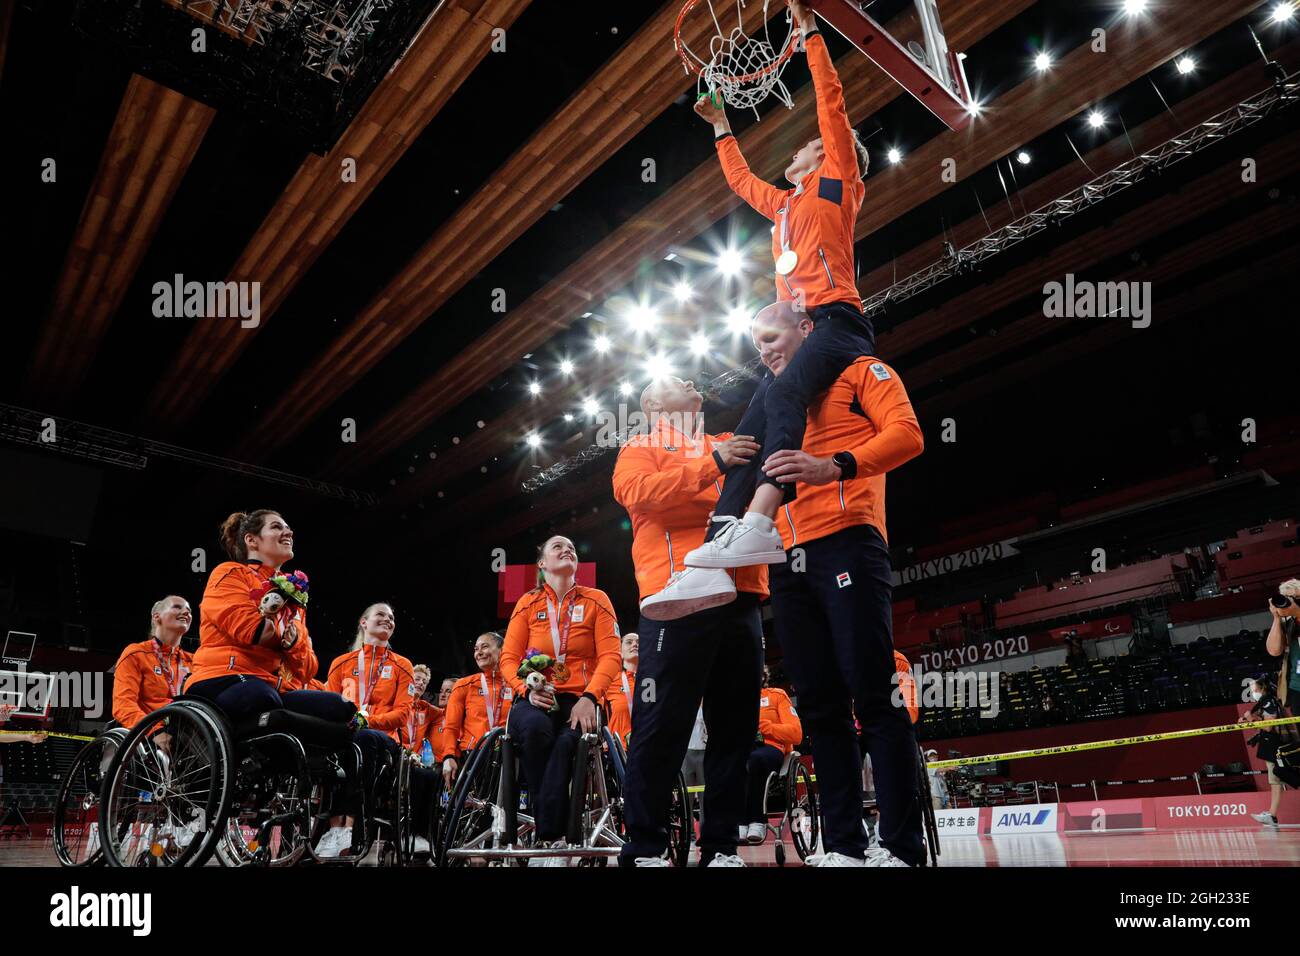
{"points": [[737, 61]]}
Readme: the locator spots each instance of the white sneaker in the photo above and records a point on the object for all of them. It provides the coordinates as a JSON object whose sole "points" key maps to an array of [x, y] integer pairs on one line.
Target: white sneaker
{"points": [[694, 589], [738, 545], [879, 856], [833, 859], [1265, 818], [720, 859], [420, 845], [544, 861], [742, 834], [755, 833], [334, 842], [652, 861]]}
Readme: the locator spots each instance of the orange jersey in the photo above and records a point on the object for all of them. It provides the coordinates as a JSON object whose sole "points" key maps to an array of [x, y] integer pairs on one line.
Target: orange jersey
{"points": [[147, 676], [907, 685], [420, 719], [867, 413], [593, 657], [669, 484], [819, 213], [620, 709], [380, 682], [478, 703], [229, 624], [777, 721]]}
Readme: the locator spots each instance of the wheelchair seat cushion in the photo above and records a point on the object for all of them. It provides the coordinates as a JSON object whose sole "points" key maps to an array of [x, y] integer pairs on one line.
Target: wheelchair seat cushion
{"points": [[311, 731]]}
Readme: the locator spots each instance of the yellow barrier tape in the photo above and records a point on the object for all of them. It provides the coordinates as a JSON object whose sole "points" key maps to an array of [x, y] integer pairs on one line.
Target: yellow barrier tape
{"points": [[1117, 742], [30, 733]]}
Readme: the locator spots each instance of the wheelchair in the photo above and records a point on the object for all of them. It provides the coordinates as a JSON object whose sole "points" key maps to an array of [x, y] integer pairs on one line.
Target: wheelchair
{"points": [[488, 820], [254, 793], [790, 798], [76, 808]]}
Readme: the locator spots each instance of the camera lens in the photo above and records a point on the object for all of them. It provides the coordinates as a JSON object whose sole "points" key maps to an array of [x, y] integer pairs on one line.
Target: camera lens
{"points": [[1279, 601]]}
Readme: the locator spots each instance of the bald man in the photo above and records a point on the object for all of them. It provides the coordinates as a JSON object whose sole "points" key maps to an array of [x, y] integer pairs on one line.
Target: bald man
{"points": [[700, 632]]}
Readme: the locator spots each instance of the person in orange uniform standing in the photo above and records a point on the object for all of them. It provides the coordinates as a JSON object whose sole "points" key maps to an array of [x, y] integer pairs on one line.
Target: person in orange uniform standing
{"points": [[906, 685], [780, 730], [150, 673], [477, 703], [812, 248], [380, 683], [576, 627], [254, 652], [702, 628], [619, 695], [833, 618]]}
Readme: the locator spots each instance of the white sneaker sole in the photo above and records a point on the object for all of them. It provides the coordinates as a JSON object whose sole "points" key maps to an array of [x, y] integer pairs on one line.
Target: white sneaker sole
{"points": [[694, 560], [674, 608]]}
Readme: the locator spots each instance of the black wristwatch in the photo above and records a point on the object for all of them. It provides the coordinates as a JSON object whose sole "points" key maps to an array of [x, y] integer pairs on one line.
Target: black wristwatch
{"points": [[848, 465]]}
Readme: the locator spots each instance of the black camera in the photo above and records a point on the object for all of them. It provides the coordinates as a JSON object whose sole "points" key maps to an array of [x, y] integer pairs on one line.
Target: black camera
{"points": [[1278, 601]]}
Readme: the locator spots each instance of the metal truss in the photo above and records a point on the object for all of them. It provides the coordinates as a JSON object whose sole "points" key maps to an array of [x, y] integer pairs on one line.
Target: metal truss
{"points": [[1233, 120], [93, 443], [1283, 93]]}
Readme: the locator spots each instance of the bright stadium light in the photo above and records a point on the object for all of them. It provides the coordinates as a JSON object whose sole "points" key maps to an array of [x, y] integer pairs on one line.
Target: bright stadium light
{"points": [[1042, 62], [568, 417], [1096, 119], [601, 344], [1283, 11], [643, 319], [974, 107], [682, 291], [1133, 7], [590, 406], [738, 320], [534, 389], [894, 155], [657, 366], [699, 344], [730, 261], [566, 367], [534, 440], [1185, 65], [625, 388], [1023, 158]]}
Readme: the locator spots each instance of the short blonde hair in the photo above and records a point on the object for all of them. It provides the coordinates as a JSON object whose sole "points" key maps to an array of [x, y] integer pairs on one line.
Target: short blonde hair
{"points": [[428, 674], [1290, 588]]}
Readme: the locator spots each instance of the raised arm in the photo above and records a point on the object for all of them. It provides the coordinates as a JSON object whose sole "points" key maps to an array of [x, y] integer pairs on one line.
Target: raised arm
{"points": [[832, 115], [764, 197]]}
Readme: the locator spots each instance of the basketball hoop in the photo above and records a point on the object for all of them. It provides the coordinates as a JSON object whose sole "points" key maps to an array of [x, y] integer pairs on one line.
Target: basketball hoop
{"points": [[744, 70]]}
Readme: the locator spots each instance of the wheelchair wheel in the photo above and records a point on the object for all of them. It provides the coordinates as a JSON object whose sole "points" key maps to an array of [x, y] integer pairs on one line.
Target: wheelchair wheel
{"points": [[396, 820], [167, 805], [681, 823], [472, 809], [802, 815], [76, 811], [271, 813]]}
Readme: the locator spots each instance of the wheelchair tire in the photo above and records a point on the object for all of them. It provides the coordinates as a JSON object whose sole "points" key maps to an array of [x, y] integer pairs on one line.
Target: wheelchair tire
{"points": [[286, 787], [801, 805], [779, 850], [472, 799], [200, 750], [681, 823], [76, 808]]}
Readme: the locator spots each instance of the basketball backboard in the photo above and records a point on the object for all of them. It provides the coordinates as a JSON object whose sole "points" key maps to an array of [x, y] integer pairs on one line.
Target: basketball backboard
{"points": [[929, 71]]}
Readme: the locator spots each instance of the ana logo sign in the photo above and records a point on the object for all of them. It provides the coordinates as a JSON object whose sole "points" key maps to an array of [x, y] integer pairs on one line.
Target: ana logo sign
{"points": [[1031, 818]]}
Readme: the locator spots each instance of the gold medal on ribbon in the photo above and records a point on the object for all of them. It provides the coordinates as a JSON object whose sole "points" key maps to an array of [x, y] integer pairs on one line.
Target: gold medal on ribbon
{"points": [[786, 262], [560, 672]]}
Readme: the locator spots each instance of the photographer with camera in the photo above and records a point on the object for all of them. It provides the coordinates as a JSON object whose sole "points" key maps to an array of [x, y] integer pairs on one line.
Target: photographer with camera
{"points": [[1267, 706]]}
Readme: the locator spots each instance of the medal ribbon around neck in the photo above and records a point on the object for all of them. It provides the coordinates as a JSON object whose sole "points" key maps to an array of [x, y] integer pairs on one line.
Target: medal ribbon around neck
{"points": [[560, 636], [369, 680]]}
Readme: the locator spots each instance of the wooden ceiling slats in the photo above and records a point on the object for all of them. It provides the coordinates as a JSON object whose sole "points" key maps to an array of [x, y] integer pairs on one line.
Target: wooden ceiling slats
{"points": [[315, 205], [479, 234], [691, 207], [1039, 103], [154, 137]]}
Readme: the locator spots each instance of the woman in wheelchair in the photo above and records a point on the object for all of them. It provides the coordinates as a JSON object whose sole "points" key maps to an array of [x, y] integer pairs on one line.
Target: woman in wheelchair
{"points": [[779, 731], [619, 695], [575, 626], [149, 673], [381, 684], [251, 649], [477, 703]]}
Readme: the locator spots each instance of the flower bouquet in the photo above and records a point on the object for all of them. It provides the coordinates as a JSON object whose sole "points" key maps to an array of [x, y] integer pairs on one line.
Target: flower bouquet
{"points": [[290, 587], [536, 671]]}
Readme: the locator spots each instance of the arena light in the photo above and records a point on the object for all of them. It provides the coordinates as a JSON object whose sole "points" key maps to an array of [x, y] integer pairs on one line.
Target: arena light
{"points": [[1133, 7], [657, 366], [1023, 158], [1096, 119], [643, 319], [590, 406], [534, 389], [730, 261], [974, 107], [738, 320], [601, 344], [534, 440], [682, 291], [1185, 65], [568, 417], [1042, 62], [1283, 12], [566, 367], [699, 344], [894, 155], [625, 388]]}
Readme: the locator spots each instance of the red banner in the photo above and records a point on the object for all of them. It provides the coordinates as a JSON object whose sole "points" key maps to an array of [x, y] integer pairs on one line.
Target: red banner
{"points": [[518, 579]]}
